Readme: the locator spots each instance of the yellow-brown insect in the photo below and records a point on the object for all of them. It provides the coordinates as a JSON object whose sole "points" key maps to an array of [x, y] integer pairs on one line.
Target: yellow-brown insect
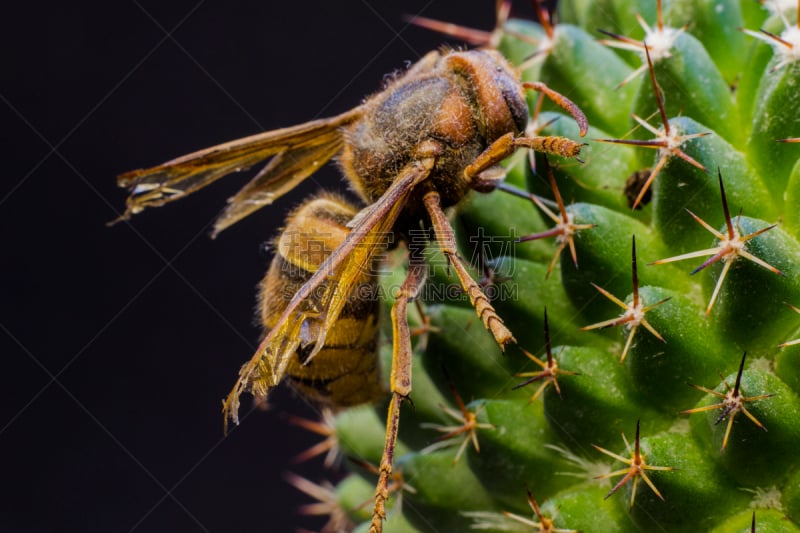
{"points": [[421, 144]]}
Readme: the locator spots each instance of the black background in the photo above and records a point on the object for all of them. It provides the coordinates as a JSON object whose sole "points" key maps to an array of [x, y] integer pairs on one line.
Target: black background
{"points": [[118, 343]]}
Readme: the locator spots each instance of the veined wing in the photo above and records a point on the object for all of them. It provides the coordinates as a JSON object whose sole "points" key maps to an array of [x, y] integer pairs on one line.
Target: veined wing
{"points": [[156, 186], [282, 174], [316, 306]]}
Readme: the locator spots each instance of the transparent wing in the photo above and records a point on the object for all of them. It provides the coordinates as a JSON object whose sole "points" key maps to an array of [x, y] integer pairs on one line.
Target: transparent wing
{"points": [[315, 307], [282, 174], [156, 186]]}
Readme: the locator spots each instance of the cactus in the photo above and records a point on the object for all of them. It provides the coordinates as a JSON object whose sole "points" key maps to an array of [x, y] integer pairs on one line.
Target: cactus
{"points": [[656, 381]]}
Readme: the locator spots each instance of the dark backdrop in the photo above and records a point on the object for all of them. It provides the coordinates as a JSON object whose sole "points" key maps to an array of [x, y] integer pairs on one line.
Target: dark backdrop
{"points": [[118, 343]]}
